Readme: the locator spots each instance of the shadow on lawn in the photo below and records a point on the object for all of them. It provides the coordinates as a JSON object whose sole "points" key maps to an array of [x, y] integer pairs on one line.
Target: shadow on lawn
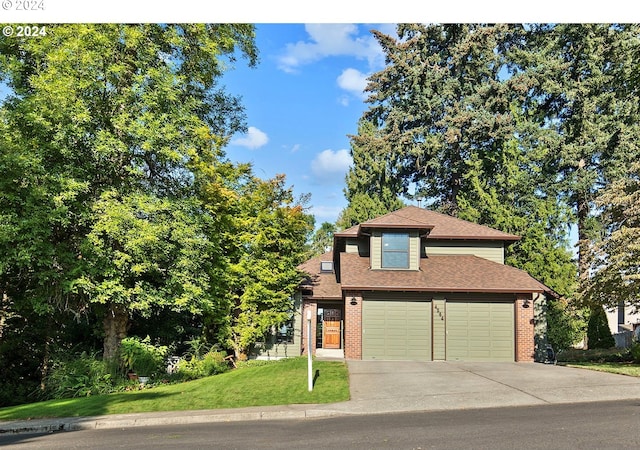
{"points": [[86, 410]]}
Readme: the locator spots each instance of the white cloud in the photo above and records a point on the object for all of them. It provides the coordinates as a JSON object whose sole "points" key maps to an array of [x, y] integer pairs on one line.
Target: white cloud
{"points": [[331, 40], [254, 139], [329, 166], [324, 213], [353, 81]]}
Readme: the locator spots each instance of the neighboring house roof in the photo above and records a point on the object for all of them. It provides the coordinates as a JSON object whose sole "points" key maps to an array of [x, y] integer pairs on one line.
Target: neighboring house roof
{"points": [[323, 285], [440, 226], [439, 273]]}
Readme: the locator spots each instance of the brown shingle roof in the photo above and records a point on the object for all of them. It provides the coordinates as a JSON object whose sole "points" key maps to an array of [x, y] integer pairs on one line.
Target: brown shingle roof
{"points": [[439, 273], [442, 226], [322, 284]]}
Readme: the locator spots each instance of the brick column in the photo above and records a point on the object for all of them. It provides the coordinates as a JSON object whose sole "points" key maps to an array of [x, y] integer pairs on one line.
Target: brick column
{"points": [[309, 305], [525, 335], [353, 325]]}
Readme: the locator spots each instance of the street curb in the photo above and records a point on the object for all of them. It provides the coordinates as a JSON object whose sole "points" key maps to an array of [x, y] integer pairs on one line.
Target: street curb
{"points": [[102, 423]]}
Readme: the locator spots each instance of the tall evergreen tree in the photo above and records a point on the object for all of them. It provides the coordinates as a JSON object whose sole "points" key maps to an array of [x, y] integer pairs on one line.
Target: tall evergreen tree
{"points": [[373, 185], [585, 90], [440, 103]]}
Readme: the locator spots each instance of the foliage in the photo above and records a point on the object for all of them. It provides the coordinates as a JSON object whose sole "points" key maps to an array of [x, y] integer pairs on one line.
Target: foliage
{"points": [[277, 383], [322, 240], [104, 131], [598, 332], [565, 325], [595, 355], [584, 92], [211, 363], [141, 356], [372, 186], [615, 259], [635, 352], [449, 120], [439, 104], [79, 376], [270, 233]]}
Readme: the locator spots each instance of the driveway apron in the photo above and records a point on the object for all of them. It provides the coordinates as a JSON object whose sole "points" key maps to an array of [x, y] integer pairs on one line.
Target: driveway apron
{"points": [[395, 386]]}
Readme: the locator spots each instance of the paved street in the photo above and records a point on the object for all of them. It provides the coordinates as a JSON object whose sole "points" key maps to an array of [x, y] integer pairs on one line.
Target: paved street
{"points": [[603, 425], [381, 387]]}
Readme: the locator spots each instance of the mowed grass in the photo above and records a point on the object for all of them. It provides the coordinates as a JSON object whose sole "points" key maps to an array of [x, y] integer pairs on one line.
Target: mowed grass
{"points": [[621, 368], [276, 383]]}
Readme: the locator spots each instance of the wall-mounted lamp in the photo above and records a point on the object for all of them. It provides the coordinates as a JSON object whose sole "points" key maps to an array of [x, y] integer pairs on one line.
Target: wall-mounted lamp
{"points": [[526, 304], [354, 302]]}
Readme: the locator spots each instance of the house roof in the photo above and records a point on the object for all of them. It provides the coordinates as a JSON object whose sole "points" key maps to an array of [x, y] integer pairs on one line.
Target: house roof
{"points": [[322, 284], [439, 273], [440, 226]]}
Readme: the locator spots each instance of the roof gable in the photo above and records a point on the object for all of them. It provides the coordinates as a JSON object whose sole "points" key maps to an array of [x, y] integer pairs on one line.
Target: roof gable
{"points": [[439, 226]]}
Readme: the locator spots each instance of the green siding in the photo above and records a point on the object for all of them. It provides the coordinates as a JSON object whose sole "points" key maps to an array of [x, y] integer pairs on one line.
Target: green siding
{"points": [[376, 250], [439, 330], [480, 331], [396, 330], [491, 250]]}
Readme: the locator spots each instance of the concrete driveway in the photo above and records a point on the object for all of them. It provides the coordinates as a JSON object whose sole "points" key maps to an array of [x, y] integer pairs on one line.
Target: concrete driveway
{"points": [[394, 386]]}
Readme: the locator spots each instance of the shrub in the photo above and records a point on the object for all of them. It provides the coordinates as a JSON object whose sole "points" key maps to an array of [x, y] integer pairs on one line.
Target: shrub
{"points": [[635, 352], [142, 357], [598, 332], [595, 355], [211, 363], [79, 376]]}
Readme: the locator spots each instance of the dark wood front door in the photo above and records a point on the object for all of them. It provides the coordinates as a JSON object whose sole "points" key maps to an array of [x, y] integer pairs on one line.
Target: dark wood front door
{"points": [[331, 325]]}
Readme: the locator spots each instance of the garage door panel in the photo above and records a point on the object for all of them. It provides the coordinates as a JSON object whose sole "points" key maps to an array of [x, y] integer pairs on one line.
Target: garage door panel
{"points": [[396, 329], [480, 331]]}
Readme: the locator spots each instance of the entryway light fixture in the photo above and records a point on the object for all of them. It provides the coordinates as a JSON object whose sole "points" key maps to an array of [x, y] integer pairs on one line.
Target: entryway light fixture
{"points": [[526, 303], [354, 301]]}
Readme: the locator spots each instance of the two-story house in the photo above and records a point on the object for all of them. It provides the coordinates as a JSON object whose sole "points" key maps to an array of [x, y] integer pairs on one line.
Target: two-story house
{"points": [[418, 285]]}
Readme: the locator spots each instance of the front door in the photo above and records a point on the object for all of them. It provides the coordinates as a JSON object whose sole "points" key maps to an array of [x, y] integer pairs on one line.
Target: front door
{"points": [[331, 325]]}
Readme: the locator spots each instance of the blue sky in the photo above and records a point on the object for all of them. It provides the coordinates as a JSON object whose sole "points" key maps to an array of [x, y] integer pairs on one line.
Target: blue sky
{"points": [[302, 101], [306, 94]]}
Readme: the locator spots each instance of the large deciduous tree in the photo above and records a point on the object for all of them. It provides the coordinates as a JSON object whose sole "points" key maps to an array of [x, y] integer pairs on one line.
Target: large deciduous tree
{"points": [[615, 259], [270, 229], [101, 132]]}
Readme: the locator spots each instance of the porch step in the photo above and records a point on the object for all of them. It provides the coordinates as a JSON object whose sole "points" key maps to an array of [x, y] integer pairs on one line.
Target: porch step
{"points": [[326, 353]]}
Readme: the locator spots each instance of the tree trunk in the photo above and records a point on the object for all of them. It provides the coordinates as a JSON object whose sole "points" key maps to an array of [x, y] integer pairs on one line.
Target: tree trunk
{"points": [[115, 324], [582, 207]]}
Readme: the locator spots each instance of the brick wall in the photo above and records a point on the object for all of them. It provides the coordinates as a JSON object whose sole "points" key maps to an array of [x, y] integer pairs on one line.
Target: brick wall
{"points": [[525, 342], [353, 326]]}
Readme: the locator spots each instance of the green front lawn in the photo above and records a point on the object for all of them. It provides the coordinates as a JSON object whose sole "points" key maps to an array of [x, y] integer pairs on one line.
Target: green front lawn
{"points": [[623, 368], [276, 383]]}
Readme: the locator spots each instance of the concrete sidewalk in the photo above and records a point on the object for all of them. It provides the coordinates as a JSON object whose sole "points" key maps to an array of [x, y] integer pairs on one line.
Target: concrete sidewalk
{"points": [[379, 387]]}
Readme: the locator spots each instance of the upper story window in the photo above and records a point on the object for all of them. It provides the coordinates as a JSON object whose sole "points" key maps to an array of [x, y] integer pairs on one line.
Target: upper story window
{"points": [[395, 250], [326, 266]]}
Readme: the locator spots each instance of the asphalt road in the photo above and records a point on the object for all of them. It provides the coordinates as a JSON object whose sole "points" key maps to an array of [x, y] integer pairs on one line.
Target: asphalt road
{"points": [[602, 425]]}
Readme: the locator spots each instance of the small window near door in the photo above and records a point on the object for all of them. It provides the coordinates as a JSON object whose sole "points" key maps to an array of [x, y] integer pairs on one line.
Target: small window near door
{"points": [[284, 333], [395, 250]]}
